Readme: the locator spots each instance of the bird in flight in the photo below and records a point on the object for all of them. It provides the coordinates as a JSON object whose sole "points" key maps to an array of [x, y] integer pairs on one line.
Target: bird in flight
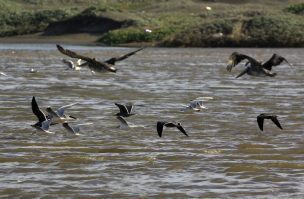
{"points": [[272, 117], [43, 123], [93, 64], [124, 110], [255, 67], [160, 126]]}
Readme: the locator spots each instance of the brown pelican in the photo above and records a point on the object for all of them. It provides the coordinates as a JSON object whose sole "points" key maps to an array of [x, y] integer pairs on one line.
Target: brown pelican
{"points": [[43, 123], [93, 64], [255, 68], [273, 118], [124, 110], [160, 125]]}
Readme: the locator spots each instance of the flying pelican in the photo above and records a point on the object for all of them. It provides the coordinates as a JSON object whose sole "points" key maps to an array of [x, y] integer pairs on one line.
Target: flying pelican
{"points": [[272, 117], [93, 64], [160, 125], [255, 68]]}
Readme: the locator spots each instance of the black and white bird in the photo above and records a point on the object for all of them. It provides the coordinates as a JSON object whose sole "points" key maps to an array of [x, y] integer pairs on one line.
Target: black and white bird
{"points": [[93, 64], [160, 126], [255, 68], [43, 123], [124, 110], [272, 117]]}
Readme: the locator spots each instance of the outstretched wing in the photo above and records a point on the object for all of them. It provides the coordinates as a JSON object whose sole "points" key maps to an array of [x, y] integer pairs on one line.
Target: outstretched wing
{"points": [[160, 127], [115, 59], [123, 122], [235, 58], [274, 61], [122, 108], [275, 120], [40, 115], [61, 110], [242, 73], [91, 61], [181, 129], [260, 120], [72, 54], [74, 129]]}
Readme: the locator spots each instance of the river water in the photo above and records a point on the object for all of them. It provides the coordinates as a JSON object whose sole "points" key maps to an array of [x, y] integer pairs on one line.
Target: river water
{"points": [[225, 155]]}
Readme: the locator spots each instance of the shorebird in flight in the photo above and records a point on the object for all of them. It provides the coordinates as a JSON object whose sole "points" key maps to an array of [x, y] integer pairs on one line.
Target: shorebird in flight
{"points": [[43, 123], [58, 116], [273, 118], [255, 68], [160, 126], [93, 64], [124, 110], [195, 105]]}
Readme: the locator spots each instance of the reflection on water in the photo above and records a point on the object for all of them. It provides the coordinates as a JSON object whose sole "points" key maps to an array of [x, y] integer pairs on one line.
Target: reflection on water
{"points": [[225, 152]]}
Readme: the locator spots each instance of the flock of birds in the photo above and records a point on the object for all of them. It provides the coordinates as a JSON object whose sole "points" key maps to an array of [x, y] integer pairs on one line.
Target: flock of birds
{"points": [[252, 67]]}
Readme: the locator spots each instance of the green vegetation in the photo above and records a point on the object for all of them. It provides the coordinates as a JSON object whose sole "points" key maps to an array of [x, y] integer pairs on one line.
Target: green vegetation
{"points": [[250, 23]]}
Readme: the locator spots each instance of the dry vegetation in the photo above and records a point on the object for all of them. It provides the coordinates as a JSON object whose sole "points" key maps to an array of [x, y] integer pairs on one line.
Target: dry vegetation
{"points": [[277, 23]]}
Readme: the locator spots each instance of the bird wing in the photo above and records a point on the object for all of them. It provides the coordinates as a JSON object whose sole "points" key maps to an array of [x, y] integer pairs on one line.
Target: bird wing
{"points": [[275, 120], [242, 73], [235, 58], [50, 111], [160, 127], [122, 121], [61, 110], [40, 115], [71, 129], [129, 107], [274, 60], [115, 59], [122, 108], [260, 120], [181, 129]]}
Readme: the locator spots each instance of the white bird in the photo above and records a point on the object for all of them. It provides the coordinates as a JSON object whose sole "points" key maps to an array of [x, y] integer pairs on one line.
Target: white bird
{"points": [[72, 65], [2, 73], [59, 117], [195, 105]]}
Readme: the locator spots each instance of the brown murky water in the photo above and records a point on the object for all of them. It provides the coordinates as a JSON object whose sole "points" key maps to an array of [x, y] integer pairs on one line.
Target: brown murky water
{"points": [[225, 155]]}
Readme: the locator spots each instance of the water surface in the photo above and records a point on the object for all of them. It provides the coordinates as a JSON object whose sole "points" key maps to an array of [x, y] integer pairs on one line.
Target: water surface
{"points": [[225, 155]]}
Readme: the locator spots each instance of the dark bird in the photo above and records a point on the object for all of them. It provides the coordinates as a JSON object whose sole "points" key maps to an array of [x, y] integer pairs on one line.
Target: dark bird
{"points": [[160, 125], [124, 110], [273, 118], [255, 68], [43, 123], [95, 65]]}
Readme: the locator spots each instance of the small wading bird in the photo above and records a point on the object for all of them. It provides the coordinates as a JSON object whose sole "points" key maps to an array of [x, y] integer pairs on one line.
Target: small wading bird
{"points": [[273, 118], [255, 68], [124, 110], [93, 64], [43, 123], [160, 125]]}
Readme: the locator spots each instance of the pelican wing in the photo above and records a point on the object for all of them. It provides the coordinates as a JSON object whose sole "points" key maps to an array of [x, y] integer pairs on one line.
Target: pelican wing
{"points": [[115, 59], [274, 61], [235, 58], [35, 108]]}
